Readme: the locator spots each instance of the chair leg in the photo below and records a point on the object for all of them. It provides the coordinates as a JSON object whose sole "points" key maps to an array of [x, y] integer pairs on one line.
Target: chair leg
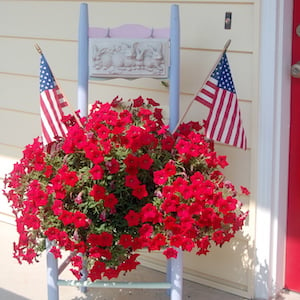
{"points": [[52, 274], [176, 271]]}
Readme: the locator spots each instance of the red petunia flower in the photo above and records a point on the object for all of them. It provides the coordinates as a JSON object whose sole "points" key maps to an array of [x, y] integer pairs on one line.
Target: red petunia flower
{"points": [[138, 102], [97, 270], [218, 237], [130, 263], [56, 252], [140, 191], [152, 102], [146, 230], [57, 207], [131, 160], [170, 253], [132, 218], [149, 213], [110, 201], [94, 154], [103, 131], [158, 241], [145, 161], [245, 191], [160, 177], [66, 217], [203, 244], [98, 192], [97, 172], [104, 239], [111, 273], [126, 240], [113, 166], [132, 181], [176, 240], [80, 219], [69, 177], [170, 168]]}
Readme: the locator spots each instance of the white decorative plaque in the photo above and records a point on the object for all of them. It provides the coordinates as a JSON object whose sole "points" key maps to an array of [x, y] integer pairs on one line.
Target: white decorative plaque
{"points": [[128, 58]]}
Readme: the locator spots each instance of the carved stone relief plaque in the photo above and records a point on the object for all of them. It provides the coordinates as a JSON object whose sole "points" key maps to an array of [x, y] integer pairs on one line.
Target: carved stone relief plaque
{"points": [[128, 58]]}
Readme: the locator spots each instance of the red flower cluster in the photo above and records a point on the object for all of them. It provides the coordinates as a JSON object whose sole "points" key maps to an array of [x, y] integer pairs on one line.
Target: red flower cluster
{"points": [[120, 183]]}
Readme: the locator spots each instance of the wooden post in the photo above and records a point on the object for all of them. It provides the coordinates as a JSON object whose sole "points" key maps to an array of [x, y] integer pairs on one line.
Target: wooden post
{"points": [[83, 79], [52, 274], [174, 77], [175, 265], [83, 63]]}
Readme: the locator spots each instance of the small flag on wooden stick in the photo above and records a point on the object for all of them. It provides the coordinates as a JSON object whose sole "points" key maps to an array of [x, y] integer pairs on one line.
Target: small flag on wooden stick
{"points": [[51, 104], [224, 122]]}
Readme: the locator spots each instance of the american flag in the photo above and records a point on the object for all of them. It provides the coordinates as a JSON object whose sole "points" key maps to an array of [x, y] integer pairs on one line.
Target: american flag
{"points": [[224, 122], [51, 104]]}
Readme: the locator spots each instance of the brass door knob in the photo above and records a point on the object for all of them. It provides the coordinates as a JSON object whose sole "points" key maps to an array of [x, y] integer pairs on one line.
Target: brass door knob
{"points": [[295, 71]]}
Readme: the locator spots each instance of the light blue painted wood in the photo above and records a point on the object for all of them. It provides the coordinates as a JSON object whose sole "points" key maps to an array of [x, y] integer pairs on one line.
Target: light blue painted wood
{"points": [[115, 285], [175, 269], [83, 75], [83, 58], [176, 274], [52, 274], [174, 67]]}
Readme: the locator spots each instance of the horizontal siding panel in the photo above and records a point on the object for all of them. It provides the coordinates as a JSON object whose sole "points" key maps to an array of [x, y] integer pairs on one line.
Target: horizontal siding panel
{"points": [[5, 209], [61, 57], [199, 22], [202, 26], [39, 19], [106, 91], [20, 128], [231, 259], [6, 163], [11, 152], [25, 97]]}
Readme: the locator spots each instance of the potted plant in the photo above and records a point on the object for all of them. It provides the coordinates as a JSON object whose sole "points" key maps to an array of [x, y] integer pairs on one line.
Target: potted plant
{"points": [[119, 183]]}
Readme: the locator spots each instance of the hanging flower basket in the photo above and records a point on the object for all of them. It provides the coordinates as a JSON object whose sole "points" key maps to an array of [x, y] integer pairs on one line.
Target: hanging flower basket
{"points": [[120, 183]]}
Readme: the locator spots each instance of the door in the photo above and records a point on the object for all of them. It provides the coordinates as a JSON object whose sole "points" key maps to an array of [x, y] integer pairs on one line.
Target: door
{"points": [[292, 278]]}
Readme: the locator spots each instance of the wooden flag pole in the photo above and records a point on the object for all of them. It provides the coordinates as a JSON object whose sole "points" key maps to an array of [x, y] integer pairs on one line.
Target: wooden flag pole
{"points": [[39, 50], [227, 44]]}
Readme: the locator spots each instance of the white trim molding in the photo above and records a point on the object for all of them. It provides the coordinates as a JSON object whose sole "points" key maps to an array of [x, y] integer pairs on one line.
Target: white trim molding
{"points": [[273, 145]]}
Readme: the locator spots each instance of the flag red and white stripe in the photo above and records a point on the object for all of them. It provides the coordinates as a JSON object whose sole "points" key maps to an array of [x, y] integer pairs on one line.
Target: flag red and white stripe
{"points": [[51, 104], [207, 94], [224, 122]]}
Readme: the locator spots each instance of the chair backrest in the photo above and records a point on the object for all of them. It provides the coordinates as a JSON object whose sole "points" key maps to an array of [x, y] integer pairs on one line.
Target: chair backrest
{"points": [[129, 51]]}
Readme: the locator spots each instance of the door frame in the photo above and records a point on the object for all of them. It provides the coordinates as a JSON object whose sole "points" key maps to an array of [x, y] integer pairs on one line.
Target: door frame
{"points": [[275, 44]]}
